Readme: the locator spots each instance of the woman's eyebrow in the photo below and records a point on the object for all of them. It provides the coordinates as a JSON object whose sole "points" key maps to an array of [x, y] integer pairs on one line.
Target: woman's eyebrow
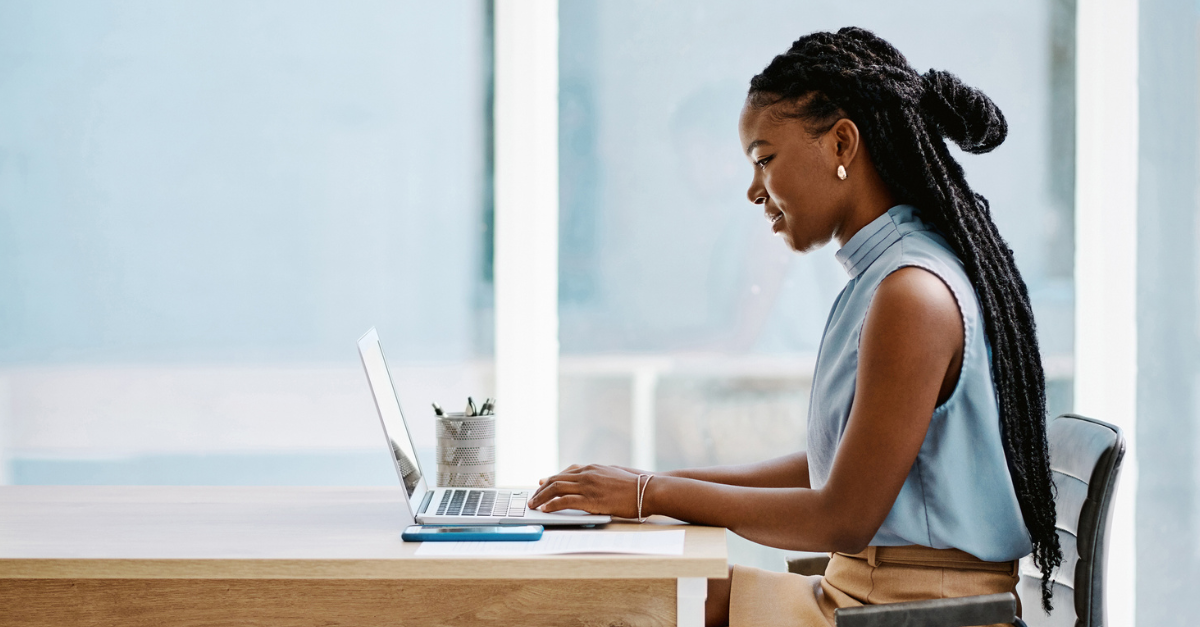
{"points": [[756, 143]]}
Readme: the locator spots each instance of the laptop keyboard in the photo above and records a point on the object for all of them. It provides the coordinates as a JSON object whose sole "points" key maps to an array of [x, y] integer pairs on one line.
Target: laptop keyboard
{"points": [[503, 503]]}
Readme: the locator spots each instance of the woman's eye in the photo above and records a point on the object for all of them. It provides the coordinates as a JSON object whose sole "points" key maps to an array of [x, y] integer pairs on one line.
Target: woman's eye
{"points": [[762, 163]]}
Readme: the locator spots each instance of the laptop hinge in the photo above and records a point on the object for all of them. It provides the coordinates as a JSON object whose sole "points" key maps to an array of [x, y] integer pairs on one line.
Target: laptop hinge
{"points": [[425, 502]]}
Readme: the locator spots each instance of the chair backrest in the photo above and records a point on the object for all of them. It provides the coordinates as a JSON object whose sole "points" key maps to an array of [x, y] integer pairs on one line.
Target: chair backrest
{"points": [[1085, 457]]}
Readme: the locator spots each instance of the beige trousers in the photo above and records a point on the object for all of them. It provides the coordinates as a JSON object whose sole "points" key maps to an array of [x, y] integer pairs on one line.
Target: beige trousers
{"points": [[877, 575]]}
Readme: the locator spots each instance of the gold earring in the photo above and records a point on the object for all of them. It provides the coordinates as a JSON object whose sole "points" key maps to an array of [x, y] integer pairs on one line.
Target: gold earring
{"points": [[842, 172]]}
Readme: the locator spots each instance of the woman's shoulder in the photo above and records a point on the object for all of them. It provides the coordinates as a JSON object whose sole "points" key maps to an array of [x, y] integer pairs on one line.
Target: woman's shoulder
{"points": [[897, 241], [926, 249], [913, 311], [923, 267]]}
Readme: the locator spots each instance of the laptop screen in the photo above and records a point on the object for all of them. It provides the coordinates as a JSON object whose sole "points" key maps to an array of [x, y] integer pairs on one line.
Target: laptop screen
{"points": [[394, 427]]}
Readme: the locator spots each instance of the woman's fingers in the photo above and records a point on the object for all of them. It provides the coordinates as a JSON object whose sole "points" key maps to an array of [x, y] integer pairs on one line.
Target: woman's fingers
{"points": [[542, 485], [569, 501], [566, 475], [554, 488], [593, 488]]}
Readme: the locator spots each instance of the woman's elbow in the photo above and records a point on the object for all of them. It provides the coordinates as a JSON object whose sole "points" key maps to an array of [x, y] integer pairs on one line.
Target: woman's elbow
{"points": [[851, 536], [850, 543]]}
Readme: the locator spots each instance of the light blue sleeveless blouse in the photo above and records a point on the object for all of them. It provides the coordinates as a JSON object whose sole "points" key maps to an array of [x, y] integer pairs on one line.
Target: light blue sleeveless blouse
{"points": [[959, 493]]}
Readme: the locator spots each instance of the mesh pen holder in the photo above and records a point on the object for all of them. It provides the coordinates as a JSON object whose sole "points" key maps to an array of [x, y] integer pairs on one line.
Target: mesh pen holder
{"points": [[466, 451]]}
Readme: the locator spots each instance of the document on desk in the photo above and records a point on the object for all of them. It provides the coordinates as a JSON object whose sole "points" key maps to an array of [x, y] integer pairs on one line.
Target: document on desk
{"points": [[564, 542]]}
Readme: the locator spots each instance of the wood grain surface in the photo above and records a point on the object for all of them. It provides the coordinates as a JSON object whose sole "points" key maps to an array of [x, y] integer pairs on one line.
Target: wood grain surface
{"points": [[76, 532], [329, 603]]}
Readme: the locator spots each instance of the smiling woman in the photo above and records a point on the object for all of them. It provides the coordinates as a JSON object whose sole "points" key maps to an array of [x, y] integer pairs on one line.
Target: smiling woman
{"points": [[808, 211], [928, 365]]}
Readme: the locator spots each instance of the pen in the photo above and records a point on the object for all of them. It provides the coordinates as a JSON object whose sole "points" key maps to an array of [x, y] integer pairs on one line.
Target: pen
{"points": [[437, 410]]}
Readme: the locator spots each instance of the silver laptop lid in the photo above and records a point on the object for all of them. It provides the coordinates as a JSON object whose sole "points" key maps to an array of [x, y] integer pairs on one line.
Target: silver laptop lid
{"points": [[395, 430]]}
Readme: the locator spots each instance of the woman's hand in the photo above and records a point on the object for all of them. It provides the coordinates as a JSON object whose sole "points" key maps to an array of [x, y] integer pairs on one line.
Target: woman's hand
{"points": [[594, 489], [626, 469]]}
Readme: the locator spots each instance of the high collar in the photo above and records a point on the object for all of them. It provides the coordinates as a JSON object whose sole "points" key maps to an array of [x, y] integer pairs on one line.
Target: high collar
{"points": [[865, 246]]}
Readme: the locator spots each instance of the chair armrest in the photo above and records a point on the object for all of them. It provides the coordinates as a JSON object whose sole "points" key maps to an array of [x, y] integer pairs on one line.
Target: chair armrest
{"points": [[957, 612], [813, 564]]}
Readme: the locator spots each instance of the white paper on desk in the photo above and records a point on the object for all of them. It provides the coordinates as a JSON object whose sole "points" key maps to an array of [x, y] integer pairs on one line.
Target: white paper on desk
{"points": [[562, 542]]}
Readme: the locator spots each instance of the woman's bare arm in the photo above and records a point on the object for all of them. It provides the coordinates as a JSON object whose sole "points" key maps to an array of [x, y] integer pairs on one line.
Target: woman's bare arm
{"points": [[910, 350], [789, 471]]}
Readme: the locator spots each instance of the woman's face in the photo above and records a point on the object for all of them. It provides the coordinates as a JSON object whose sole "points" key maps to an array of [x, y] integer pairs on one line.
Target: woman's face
{"points": [[795, 177]]}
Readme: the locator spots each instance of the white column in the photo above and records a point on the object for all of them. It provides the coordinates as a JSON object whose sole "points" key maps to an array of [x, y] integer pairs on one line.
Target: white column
{"points": [[645, 383], [526, 261], [690, 594], [1106, 181]]}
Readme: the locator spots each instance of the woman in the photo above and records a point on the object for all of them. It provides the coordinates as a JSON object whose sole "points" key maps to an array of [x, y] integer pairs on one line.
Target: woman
{"points": [[927, 473]]}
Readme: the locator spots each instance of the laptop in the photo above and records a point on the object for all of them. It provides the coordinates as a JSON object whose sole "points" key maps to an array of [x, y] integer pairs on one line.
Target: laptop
{"points": [[447, 506]]}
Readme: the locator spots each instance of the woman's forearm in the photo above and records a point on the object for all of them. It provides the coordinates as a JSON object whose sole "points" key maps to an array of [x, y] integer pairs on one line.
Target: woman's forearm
{"points": [[791, 518], [789, 471]]}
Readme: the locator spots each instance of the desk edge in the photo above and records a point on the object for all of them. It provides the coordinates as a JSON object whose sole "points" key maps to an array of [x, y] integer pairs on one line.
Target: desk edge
{"points": [[592, 567]]}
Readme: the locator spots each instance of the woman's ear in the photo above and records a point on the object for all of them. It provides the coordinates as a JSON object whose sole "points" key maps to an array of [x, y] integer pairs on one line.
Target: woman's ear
{"points": [[845, 141]]}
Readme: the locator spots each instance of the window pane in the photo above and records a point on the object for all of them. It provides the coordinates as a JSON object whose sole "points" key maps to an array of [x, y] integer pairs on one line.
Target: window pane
{"points": [[204, 204], [675, 301], [1168, 434]]}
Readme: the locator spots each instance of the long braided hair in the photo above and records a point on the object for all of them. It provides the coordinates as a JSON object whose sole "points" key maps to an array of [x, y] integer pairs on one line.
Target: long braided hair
{"points": [[903, 118]]}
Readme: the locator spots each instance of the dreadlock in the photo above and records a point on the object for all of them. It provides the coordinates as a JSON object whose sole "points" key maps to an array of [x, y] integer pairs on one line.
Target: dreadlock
{"points": [[903, 118]]}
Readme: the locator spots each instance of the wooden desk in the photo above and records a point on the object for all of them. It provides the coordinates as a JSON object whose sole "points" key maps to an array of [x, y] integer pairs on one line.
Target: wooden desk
{"points": [[142, 556]]}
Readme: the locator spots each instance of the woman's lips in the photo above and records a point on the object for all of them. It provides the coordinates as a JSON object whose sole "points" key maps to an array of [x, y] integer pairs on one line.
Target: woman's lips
{"points": [[776, 222]]}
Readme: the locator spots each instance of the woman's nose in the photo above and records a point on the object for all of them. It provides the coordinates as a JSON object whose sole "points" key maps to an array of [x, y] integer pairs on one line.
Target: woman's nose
{"points": [[757, 195]]}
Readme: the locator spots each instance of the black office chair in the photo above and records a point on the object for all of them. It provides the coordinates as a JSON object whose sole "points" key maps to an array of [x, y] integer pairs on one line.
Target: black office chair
{"points": [[1085, 456]]}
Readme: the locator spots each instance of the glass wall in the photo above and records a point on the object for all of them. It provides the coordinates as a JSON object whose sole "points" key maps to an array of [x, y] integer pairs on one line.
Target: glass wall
{"points": [[677, 307], [1168, 435], [204, 204]]}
